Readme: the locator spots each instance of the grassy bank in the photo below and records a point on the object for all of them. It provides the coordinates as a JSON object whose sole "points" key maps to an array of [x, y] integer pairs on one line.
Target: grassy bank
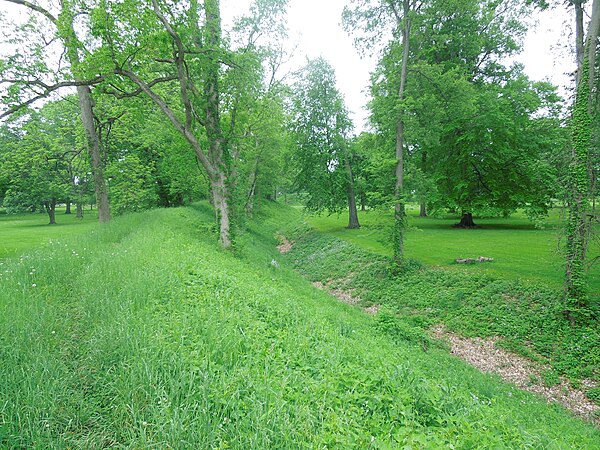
{"points": [[144, 334], [520, 250]]}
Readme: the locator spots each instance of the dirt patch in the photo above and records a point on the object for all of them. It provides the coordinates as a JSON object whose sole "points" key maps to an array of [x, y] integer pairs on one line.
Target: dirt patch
{"points": [[285, 245], [372, 310], [345, 296], [524, 373]]}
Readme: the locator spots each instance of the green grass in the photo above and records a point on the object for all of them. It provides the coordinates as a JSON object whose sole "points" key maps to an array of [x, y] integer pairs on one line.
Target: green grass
{"points": [[19, 232], [143, 334], [520, 250]]}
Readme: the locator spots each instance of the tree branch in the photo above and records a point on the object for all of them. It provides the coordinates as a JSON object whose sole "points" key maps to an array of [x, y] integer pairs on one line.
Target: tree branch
{"points": [[179, 55], [121, 94], [181, 128], [48, 89], [36, 8]]}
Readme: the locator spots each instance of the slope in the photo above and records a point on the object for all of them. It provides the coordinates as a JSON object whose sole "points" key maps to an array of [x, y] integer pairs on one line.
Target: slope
{"points": [[144, 334]]}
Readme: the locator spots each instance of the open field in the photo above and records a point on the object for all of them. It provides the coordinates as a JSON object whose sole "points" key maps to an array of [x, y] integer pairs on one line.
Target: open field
{"points": [[143, 333], [19, 232], [519, 249]]}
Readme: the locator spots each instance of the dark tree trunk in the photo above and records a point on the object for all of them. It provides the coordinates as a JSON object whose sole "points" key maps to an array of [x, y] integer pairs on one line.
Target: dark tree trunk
{"points": [[363, 202], [466, 221], [352, 213], [51, 210], [79, 210], [87, 118], [68, 210], [422, 209]]}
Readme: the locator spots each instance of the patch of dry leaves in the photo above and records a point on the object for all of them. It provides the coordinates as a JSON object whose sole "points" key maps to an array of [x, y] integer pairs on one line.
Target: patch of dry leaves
{"points": [[285, 244], [345, 297], [487, 357]]}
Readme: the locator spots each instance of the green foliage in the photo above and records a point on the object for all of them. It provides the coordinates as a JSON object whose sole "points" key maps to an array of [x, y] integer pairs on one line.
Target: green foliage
{"points": [[577, 307], [165, 340], [320, 128], [478, 134], [521, 249], [130, 184], [594, 394], [42, 161]]}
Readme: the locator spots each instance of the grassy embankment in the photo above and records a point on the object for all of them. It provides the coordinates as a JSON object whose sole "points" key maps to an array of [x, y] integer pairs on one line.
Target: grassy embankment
{"points": [[520, 250], [144, 334]]}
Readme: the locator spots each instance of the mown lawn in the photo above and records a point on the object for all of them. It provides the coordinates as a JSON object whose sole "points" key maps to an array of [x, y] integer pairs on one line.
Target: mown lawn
{"points": [[19, 232], [144, 334], [520, 250]]}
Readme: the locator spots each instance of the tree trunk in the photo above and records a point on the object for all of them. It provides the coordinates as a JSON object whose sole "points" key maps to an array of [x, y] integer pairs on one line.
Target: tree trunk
{"points": [[352, 213], [399, 212], [87, 118], [79, 210], [578, 230], [86, 104], [51, 210], [221, 205], [68, 207], [422, 203], [466, 221], [250, 199], [212, 124], [579, 37]]}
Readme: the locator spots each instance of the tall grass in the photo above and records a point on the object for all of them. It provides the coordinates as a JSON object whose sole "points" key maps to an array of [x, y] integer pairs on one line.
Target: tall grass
{"points": [[143, 334]]}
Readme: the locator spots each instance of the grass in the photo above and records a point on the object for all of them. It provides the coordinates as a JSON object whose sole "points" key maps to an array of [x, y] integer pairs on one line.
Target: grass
{"points": [[520, 250], [143, 334], [19, 232]]}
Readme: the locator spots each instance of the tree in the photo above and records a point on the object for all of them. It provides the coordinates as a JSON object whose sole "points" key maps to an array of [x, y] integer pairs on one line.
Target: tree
{"points": [[475, 132], [577, 307], [40, 163], [320, 128], [168, 47], [397, 16], [27, 78]]}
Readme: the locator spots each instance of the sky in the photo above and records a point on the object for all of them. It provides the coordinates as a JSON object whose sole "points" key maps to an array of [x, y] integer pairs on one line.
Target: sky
{"points": [[315, 29]]}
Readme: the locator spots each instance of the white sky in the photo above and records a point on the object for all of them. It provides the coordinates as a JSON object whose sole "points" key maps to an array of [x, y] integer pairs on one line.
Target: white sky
{"points": [[315, 26]]}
